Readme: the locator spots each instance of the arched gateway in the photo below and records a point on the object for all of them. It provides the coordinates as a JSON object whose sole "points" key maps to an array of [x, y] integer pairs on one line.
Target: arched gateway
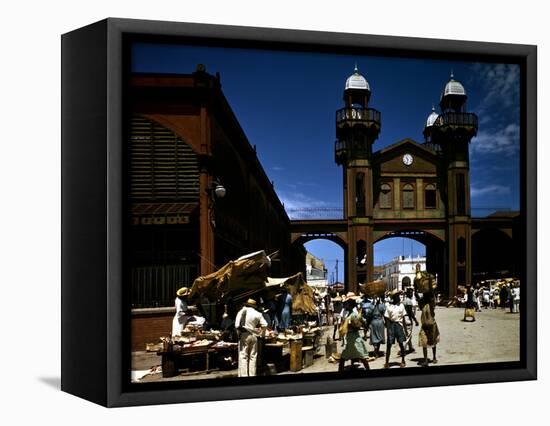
{"points": [[411, 189]]}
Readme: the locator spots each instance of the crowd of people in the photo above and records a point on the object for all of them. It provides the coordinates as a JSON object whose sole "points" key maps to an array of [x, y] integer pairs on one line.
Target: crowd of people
{"points": [[385, 320], [381, 321], [504, 295]]}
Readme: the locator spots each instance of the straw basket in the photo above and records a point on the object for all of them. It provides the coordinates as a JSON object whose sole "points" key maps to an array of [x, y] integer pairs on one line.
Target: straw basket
{"points": [[374, 288]]}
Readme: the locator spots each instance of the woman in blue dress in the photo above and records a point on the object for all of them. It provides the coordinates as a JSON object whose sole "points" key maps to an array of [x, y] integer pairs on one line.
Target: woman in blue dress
{"points": [[375, 319], [285, 310]]}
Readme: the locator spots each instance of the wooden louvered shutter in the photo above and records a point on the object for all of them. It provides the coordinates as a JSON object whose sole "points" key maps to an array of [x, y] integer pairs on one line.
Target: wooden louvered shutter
{"points": [[162, 166]]}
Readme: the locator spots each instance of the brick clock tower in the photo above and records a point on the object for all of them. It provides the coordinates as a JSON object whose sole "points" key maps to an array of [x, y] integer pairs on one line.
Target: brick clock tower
{"points": [[446, 151], [357, 128], [450, 135]]}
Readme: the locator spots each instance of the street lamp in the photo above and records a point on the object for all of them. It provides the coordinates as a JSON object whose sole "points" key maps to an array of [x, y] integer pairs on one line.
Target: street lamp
{"points": [[219, 190], [216, 191]]}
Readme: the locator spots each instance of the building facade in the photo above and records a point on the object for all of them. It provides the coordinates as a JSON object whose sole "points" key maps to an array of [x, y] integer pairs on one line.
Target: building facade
{"points": [[400, 272], [198, 194], [316, 273]]}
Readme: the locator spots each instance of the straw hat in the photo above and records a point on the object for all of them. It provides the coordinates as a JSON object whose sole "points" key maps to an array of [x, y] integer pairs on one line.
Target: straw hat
{"points": [[251, 302], [184, 291], [349, 295], [395, 292]]}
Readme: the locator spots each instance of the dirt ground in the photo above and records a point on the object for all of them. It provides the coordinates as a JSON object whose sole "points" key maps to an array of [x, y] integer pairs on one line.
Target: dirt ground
{"points": [[493, 337]]}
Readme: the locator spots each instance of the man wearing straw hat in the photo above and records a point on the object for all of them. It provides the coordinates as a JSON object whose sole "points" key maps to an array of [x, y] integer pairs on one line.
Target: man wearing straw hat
{"points": [[249, 323], [178, 323]]}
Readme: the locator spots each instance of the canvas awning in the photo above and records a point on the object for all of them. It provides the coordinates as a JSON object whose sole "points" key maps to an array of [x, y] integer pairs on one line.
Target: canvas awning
{"points": [[246, 277], [238, 276]]}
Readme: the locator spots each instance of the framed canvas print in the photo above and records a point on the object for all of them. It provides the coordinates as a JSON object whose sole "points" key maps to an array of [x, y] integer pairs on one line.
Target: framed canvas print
{"points": [[252, 212]]}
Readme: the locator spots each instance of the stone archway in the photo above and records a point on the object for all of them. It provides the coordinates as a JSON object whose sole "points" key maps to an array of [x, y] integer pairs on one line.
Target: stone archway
{"points": [[337, 240], [492, 254], [435, 249]]}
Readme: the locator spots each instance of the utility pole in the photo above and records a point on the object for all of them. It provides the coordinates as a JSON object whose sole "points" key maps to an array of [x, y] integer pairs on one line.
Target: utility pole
{"points": [[336, 267]]}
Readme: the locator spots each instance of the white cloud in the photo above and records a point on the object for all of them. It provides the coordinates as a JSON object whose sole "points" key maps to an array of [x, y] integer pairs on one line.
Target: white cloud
{"points": [[277, 168], [489, 189], [501, 141], [501, 83], [299, 200]]}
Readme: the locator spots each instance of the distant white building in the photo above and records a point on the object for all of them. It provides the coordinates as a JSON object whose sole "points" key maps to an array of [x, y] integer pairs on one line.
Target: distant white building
{"points": [[316, 273], [400, 272]]}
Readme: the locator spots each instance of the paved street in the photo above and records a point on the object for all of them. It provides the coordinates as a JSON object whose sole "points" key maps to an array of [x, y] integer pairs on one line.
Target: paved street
{"points": [[493, 337]]}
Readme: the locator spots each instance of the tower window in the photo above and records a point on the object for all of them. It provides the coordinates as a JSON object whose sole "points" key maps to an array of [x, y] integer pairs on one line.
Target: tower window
{"points": [[460, 194], [408, 196], [360, 194], [385, 197], [461, 250], [430, 197]]}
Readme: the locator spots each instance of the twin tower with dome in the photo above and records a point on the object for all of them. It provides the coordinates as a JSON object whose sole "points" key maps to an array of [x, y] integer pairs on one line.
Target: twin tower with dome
{"points": [[408, 189]]}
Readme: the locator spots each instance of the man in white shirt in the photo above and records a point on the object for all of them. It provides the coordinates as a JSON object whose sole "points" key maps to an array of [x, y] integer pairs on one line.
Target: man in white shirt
{"points": [[395, 317], [250, 323], [515, 292]]}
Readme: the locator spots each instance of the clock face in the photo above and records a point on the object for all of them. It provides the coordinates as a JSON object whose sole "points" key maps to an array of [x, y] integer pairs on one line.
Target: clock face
{"points": [[407, 159]]}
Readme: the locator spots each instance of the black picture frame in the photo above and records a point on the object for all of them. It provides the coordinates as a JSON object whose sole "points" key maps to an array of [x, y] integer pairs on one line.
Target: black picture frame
{"points": [[95, 322]]}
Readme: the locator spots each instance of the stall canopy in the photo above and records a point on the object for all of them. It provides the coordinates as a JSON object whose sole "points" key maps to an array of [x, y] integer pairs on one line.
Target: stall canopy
{"points": [[247, 273], [247, 276], [302, 294]]}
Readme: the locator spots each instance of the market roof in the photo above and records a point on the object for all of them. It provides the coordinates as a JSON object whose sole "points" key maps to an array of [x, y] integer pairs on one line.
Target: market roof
{"points": [[357, 81], [453, 87]]}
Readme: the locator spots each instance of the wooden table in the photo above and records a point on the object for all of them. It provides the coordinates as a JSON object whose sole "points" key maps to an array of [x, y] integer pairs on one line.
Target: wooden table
{"points": [[171, 359]]}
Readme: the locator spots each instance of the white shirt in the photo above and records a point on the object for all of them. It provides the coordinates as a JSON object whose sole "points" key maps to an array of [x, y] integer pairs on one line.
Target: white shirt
{"points": [[181, 307], [253, 320], [395, 312]]}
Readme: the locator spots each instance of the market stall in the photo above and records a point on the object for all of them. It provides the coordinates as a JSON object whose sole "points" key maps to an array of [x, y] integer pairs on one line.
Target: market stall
{"points": [[207, 349], [197, 351]]}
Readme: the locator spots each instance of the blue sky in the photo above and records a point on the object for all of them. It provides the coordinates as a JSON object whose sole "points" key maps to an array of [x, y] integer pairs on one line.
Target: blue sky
{"points": [[286, 102]]}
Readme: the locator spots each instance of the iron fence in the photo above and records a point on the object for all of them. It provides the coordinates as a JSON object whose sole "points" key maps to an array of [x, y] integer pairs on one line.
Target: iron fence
{"points": [[311, 213], [156, 286], [315, 213]]}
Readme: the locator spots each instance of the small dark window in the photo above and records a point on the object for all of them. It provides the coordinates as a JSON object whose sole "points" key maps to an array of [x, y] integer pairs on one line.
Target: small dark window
{"points": [[385, 197], [461, 250], [360, 194], [361, 252], [408, 196], [430, 199], [460, 194]]}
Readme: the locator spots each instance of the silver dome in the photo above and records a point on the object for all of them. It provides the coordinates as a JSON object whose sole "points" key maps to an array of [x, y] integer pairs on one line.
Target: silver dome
{"points": [[431, 118], [357, 81], [453, 87]]}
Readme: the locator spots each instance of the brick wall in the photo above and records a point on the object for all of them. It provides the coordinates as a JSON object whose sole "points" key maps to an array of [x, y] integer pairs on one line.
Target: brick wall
{"points": [[148, 325]]}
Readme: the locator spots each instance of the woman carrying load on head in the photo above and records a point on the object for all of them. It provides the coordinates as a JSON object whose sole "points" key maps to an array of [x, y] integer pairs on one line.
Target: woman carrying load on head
{"points": [[375, 320], [355, 347], [429, 332]]}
